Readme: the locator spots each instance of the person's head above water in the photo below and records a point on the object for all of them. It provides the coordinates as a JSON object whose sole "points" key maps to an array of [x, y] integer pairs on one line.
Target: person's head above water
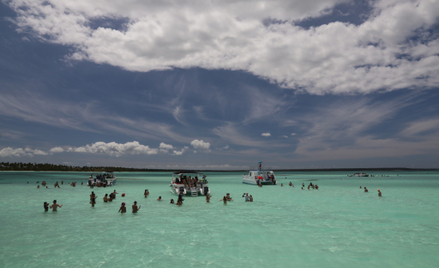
{"points": [[54, 201], [123, 204]]}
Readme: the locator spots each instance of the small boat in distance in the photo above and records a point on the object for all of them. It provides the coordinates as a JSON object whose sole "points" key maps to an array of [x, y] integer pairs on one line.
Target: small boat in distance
{"points": [[107, 178], [259, 176], [189, 183], [360, 175]]}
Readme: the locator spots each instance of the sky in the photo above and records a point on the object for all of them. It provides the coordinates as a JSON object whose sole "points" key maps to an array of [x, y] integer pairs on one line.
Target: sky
{"points": [[181, 84]]}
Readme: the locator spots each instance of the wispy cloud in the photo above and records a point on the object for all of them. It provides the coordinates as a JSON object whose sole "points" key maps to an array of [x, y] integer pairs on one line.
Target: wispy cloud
{"points": [[340, 131]]}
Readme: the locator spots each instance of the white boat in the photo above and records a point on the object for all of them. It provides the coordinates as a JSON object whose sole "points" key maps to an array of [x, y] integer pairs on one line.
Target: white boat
{"points": [[189, 183], [360, 175], [259, 176], [104, 179]]}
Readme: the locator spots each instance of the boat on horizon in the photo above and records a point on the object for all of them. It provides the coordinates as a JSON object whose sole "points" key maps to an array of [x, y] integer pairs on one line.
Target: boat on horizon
{"points": [[358, 174], [189, 183], [107, 178], [259, 176]]}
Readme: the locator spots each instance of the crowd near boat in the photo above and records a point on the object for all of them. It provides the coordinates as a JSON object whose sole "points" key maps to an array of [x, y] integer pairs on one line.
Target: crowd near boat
{"points": [[185, 183]]}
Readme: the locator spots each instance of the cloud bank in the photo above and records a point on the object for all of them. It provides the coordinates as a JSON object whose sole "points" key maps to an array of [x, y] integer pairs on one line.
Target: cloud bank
{"points": [[393, 49]]}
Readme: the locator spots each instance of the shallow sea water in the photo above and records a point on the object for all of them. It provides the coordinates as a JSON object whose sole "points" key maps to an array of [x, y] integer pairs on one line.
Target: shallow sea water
{"points": [[337, 225]]}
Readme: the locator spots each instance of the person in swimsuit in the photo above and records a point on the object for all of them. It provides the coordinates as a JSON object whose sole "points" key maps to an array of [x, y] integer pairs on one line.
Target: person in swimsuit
{"points": [[228, 197], [251, 198], [208, 198], [123, 208], [224, 200], [365, 190], [146, 193], [379, 192], [54, 206], [172, 201], [93, 201], [106, 198], [46, 206], [159, 199], [135, 208], [114, 194]]}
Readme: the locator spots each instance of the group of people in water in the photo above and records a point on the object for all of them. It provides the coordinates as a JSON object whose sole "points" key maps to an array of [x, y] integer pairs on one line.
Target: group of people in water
{"points": [[56, 185], [366, 191]]}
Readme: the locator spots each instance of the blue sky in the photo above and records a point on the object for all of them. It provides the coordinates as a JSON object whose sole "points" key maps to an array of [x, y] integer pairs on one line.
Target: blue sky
{"points": [[221, 84]]}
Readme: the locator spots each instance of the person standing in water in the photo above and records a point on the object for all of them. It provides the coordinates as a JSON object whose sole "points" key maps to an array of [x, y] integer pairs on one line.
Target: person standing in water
{"points": [[146, 193], [123, 209], [54, 206], [135, 208], [379, 192], [46, 206]]}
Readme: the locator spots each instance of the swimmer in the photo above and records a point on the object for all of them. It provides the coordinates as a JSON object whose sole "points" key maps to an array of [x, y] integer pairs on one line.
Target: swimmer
{"points": [[208, 198], [247, 198], [281, 185], [135, 208], [159, 199], [365, 190], [38, 186], [251, 198], [361, 187], [46, 206], [54, 206], [106, 198], [92, 195], [62, 182], [290, 184], [114, 194], [172, 201], [146, 193], [228, 197], [379, 192], [93, 202], [122, 209], [224, 200]]}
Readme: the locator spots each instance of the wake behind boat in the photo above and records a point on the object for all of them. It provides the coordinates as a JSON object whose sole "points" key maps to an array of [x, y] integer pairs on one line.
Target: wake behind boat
{"points": [[102, 180], [259, 176], [189, 183]]}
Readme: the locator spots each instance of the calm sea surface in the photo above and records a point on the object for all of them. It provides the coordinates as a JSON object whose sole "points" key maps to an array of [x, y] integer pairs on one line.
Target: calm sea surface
{"points": [[337, 225]]}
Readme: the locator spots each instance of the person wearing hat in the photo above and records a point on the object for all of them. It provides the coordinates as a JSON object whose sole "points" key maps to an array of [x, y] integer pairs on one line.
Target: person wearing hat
{"points": [[135, 208], [123, 208]]}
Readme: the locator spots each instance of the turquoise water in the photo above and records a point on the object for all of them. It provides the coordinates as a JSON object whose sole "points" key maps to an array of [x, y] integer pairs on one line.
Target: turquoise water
{"points": [[336, 226]]}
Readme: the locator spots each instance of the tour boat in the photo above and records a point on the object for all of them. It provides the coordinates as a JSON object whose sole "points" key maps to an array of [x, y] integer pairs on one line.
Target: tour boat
{"points": [[189, 183], [259, 176], [102, 179], [360, 175]]}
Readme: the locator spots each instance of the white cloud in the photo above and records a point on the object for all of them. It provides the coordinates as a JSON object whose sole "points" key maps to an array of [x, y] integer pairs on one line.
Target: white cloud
{"points": [[35, 151], [332, 58], [266, 134], [56, 150], [8, 151], [285, 136], [293, 134], [115, 149], [200, 144], [176, 152], [165, 147], [18, 152]]}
